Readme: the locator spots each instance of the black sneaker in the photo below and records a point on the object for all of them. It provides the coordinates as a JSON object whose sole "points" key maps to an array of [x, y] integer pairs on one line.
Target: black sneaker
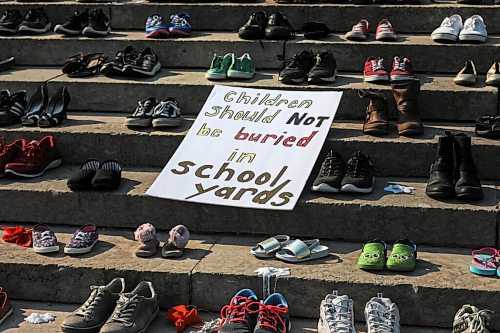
{"points": [[360, 175], [36, 21], [331, 174], [255, 27], [115, 66], [273, 315], [145, 64], [143, 114], [295, 70], [74, 25], [167, 114], [325, 69], [488, 126], [99, 24], [12, 108], [278, 27], [10, 21]]}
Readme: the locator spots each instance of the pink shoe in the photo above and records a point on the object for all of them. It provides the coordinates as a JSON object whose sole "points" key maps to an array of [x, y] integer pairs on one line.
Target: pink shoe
{"points": [[484, 262]]}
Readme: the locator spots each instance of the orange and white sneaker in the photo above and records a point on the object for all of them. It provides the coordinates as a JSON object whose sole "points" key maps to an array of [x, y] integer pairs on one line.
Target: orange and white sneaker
{"points": [[5, 306]]}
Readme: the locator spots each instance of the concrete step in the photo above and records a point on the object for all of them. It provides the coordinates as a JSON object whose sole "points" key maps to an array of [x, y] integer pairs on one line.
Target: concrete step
{"points": [[441, 279], [197, 51], [342, 216], [440, 99], [104, 135], [339, 17]]}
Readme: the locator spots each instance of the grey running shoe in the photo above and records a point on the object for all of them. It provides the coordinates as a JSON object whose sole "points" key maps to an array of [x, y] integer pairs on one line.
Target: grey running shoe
{"points": [[382, 315], [336, 314], [470, 319]]}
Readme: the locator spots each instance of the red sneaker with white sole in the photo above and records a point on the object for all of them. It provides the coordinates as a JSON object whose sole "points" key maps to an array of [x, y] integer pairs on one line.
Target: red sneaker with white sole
{"points": [[385, 31], [359, 31], [375, 71], [5, 306], [9, 152], [402, 69], [36, 158]]}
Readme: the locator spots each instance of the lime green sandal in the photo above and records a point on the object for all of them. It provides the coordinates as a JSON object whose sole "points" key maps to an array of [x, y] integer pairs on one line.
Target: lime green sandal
{"points": [[373, 255], [403, 256]]}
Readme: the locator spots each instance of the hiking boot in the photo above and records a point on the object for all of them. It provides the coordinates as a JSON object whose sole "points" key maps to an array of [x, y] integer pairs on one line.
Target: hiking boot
{"points": [[467, 184], [5, 306], [12, 109], [36, 21], [278, 27], [10, 21], [241, 68], [240, 316], [74, 25], [470, 319], [440, 184], [377, 113], [382, 312], [273, 315], [336, 314], [134, 311], [255, 27], [360, 174], [406, 96], [325, 69], [94, 313], [219, 67], [36, 158], [296, 69], [331, 174], [9, 153]]}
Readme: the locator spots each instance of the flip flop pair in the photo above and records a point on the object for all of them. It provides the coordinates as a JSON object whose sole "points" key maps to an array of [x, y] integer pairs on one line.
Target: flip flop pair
{"points": [[486, 262], [293, 251], [374, 256]]}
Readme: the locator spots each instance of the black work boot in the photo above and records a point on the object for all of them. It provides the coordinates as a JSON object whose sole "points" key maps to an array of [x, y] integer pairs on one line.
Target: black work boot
{"points": [[440, 185], [467, 184]]}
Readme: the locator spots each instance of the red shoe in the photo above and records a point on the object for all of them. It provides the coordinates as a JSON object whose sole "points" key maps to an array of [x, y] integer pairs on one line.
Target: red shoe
{"points": [[385, 31], [5, 306], [359, 31], [375, 70], [37, 157], [402, 69], [9, 153]]}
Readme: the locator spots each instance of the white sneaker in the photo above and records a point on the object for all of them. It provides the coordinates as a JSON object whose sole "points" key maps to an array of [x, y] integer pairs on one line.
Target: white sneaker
{"points": [[336, 314], [474, 30], [382, 315], [470, 319], [449, 29]]}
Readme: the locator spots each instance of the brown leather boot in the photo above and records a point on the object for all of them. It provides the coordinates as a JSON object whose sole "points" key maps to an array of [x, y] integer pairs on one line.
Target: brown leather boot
{"points": [[377, 119], [406, 96]]}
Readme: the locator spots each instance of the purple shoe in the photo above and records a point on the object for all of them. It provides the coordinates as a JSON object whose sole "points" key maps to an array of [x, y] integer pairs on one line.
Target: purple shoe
{"points": [[83, 240], [44, 239]]}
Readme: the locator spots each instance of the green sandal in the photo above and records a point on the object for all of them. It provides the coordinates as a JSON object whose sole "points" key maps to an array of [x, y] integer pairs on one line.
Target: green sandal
{"points": [[373, 255], [403, 256]]}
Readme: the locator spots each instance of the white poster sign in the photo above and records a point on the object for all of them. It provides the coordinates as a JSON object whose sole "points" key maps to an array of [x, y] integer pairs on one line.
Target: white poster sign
{"points": [[251, 148]]}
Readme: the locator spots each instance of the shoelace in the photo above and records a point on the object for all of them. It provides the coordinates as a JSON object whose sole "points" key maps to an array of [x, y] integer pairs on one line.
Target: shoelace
{"points": [[125, 307], [378, 320], [356, 167], [31, 152], [3, 148], [167, 108], [384, 27], [81, 236], [331, 166], [377, 64], [142, 108], [179, 21], [294, 62], [32, 15], [270, 316], [88, 308], [359, 27], [477, 320], [400, 65], [8, 14], [339, 322], [46, 235], [237, 311], [448, 22]]}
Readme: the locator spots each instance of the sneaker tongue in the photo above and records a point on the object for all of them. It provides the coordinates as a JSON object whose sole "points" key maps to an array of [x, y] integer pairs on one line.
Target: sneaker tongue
{"points": [[386, 302], [341, 304]]}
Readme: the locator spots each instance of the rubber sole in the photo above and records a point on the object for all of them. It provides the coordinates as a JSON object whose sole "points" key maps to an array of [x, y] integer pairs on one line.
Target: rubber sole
{"points": [[133, 122], [61, 30], [444, 38], [440, 195], [356, 36], [25, 29], [323, 187], [396, 78], [93, 329], [90, 32], [239, 75], [165, 122], [50, 249], [127, 70], [54, 164], [482, 272], [371, 267], [6, 315], [323, 80], [216, 76], [179, 33], [69, 250], [377, 78], [354, 189], [472, 38], [158, 34]]}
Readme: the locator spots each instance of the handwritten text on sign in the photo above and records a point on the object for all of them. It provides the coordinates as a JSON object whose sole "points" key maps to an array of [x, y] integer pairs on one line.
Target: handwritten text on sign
{"points": [[249, 148]]}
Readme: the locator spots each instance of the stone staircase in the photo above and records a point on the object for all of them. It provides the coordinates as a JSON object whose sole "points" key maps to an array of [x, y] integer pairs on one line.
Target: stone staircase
{"points": [[217, 263]]}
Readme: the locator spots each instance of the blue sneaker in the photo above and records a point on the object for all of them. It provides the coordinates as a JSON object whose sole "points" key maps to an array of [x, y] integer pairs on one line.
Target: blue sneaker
{"points": [[273, 316], [156, 27], [180, 25], [240, 315]]}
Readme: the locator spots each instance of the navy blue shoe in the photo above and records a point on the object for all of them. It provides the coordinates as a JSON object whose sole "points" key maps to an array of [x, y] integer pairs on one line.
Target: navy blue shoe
{"points": [[156, 27], [180, 25]]}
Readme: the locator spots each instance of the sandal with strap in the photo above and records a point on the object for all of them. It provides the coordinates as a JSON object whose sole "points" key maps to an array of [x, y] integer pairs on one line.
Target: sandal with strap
{"points": [[373, 255], [84, 66], [56, 109], [300, 251], [269, 247], [403, 256], [36, 106], [484, 262]]}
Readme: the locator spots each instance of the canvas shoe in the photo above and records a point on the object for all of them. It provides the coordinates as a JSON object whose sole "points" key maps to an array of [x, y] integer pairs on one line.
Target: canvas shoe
{"points": [[134, 311], [255, 27], [382, 314], [10, 21], [115, 66], [336, 314], [493, 75], [375, 71], [143, 114], [449, 29], [402, 69], [36, 21], [156, 27], [467, 75], [180, 25], [5, 306], [325, 69], [36, 158], [241, 68], [12, 109], [99, 24], [273, 315], [240, 316], [331, 174], [219, 67], [9, 152], [385, 31], [359, 31], [83, 240], [167, 114], [360, 174], [296, 69], [74, 25], [44, 239], [96, 310], [145, 64], [474, 30], [470, 319]]}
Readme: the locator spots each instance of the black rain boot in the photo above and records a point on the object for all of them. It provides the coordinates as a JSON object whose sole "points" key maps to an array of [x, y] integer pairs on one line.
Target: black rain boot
{"points": [[467, 186], [440, 185]]}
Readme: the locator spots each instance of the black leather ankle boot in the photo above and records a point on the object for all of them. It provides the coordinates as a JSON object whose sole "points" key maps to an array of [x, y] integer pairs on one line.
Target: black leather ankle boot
{"points": [[441, 185], [467, 182]]}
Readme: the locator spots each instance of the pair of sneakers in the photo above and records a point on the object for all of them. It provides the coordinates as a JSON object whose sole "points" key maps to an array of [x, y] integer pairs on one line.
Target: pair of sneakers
{"points": [[111, 309], [152, 112], [133, 63], [82, 241], [361, 30], [337, 315], [93, 24], [35, 22], [179, 26], [374, 256], [452, 29], [356, 176], [245, 314], [316, 68], [401, 70], [230, 66]]}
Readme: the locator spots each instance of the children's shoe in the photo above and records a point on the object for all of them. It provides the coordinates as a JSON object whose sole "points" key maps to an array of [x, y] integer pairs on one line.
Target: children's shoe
{"points": [[402, 69], [241, 68], [82, 179], [449, 29], [331, 174], [474, 30], [143, 114], [74, 25], [324, 70], [108, 177], [467, 75], [10, 21], [470, 319], [219, 67], [360, 174], [99, 24], [484, 261], [44, 239], [56, 110], [178, 238], [296, 69], [36, 21], [5, 306], [336, 314], [273, 315], [382, 312], [144, 64], [115, 66], [359, 31], [255, 27], [403, 256], [375, 71], [83, 240], [180, 25], [240, 316], [156, 27], [167, 113], [278, 27], [373, 255], [149, 243], [385, 31], [10, 152]]}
